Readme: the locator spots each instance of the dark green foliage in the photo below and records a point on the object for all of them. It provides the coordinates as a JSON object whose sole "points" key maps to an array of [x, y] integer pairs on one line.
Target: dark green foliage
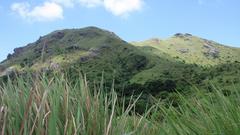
{"points": [[147, 69], [135, 63]]}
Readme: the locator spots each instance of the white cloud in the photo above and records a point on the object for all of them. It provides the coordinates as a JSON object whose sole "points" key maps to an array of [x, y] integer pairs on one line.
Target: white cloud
{"points": [[123, 7], [116, 7], [52, 10], [48, 11]]}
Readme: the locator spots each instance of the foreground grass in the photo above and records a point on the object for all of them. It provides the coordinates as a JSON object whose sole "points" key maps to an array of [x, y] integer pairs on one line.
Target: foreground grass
{"points": [[55, 106]]}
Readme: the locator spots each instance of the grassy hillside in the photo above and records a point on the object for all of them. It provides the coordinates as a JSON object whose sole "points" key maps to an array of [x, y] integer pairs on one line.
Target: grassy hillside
{"points": [[151, 67], [91, 82], [192, 49], [60, 42], [55, 106], [92, 51]]}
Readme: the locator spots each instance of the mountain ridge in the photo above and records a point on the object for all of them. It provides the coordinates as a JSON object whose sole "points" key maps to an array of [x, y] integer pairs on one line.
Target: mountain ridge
{"points": [[188, 34], [193, 49], [150, 66]]}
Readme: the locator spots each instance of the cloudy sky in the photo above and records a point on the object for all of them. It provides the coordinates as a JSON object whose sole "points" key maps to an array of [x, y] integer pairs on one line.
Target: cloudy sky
{"points": [[23, 21]]}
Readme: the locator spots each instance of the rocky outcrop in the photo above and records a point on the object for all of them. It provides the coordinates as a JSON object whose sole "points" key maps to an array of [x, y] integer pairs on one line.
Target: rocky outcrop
{"points": [[183, 50], [181, 35], [210, 50], [18, 50], [188, 35], [8, 71], [2, 69], [58, 35], [213, 53], [93, 52]]}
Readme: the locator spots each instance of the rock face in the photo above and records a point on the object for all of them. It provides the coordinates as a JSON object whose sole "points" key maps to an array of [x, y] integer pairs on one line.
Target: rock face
{"points": [[93, 52], [2, 68], [188, 35], [17, 51], [58, 35], [211, 51], [8, 71], [183, 50], [181, 35]]}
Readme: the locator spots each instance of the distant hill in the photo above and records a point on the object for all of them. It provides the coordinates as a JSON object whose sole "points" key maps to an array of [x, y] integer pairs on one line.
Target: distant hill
{"points": [[192, 49], [151, 66]]}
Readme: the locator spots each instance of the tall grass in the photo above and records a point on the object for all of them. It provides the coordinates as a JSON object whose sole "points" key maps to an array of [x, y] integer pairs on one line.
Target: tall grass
{"points": [[54, 106]]}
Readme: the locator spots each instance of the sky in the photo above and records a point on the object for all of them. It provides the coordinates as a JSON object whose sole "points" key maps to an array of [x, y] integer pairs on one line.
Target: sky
{"points": [[24, 21]]}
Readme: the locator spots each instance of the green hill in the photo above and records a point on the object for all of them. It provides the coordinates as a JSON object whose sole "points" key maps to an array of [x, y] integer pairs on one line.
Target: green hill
{"points": [[151, 66], [192, 49]]}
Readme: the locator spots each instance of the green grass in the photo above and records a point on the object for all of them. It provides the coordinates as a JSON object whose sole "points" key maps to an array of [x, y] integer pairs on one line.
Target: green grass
{"points": [[55, 105], [195, 46]]}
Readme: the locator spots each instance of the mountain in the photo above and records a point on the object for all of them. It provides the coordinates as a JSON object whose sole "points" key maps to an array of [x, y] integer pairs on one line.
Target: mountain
{"points": [[151, 66], [192, 49]]}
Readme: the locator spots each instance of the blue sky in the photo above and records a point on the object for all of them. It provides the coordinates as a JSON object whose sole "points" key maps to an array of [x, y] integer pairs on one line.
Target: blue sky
{"points": [[23, 21]]}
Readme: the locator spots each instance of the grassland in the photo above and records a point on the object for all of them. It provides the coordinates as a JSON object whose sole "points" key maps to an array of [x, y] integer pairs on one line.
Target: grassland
{"points": [[152, 66], [192, 50], [57, 106]]}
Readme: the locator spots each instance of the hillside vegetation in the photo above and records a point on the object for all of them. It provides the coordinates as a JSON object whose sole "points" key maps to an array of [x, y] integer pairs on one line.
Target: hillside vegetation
{"points": [[192, 49], [91, 82], [55, 106], [153, 66]]}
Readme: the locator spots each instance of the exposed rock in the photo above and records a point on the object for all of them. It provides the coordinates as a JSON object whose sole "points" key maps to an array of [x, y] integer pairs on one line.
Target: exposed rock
{"points": [[2, 69], [8, 71], [183, 50], [93, 52], [180, 35], [58, 35], [9, 56], [39, 40], [207, 46], [188, 35], [211, 50], [18, 50]]}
